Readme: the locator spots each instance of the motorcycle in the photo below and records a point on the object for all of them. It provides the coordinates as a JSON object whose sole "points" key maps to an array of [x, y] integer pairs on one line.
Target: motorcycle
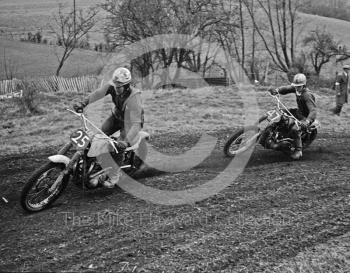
{"points": [[48, 182], [275, 136]]}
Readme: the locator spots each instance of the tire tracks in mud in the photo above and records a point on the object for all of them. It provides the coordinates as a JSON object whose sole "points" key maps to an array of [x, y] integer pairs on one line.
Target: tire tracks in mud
{"points": [[273, 211]]}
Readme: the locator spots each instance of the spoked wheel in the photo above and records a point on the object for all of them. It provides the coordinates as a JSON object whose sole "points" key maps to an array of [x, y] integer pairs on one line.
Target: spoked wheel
{"points": [[37, 193], [241, 141]]}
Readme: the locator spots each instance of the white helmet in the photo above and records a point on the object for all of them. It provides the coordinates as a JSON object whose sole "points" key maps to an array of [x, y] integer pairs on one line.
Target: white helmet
{"points": [[299, 80], [121, 76]]}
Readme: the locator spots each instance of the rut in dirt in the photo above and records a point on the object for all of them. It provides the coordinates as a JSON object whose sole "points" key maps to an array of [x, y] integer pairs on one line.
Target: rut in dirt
{"points": [[274, 210]]}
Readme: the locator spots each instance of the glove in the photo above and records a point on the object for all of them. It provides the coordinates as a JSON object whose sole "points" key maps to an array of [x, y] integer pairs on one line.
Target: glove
{"points": [[305, 123], [122, 145], [78, 107], [273, 91]]}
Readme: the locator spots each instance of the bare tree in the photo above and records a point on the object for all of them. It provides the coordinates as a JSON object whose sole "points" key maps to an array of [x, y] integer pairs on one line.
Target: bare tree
{"points": [[323, 47], [237, 35], [276, 27], [130, 21], [71, 28], [344, 54]]}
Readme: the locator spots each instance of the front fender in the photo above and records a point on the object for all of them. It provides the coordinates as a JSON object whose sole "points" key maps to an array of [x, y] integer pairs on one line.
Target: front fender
{"points": [[59, 159]]}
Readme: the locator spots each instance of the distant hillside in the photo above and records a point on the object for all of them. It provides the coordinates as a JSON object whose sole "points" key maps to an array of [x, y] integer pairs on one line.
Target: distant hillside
{"points": [[39, 60], [18, 17], [339, 9], [36, 60], [338, 28]]}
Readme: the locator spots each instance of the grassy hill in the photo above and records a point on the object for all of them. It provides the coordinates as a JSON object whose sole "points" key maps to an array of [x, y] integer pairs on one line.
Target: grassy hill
{"points": [[36, 60], [20, 16], [339, 28]]}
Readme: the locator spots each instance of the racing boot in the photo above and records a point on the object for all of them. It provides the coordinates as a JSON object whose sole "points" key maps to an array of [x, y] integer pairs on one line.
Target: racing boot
{"points": [[297, 154], [112, 180]]}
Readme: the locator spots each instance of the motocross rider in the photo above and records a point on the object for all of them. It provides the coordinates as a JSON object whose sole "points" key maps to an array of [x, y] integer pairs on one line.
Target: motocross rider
{"points": [[127, 115], [305, 113]]}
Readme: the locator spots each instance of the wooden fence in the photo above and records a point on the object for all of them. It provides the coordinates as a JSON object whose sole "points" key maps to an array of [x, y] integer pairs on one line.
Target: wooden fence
{"points": [[52, 84]]}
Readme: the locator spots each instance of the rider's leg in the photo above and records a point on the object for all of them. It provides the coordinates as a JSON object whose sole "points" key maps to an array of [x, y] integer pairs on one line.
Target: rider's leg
{"points": [[109, 127], [296, 134]]}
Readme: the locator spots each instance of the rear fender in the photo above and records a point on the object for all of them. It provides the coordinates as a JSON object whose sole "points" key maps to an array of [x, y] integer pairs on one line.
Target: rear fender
{"points": [[59, 159]]}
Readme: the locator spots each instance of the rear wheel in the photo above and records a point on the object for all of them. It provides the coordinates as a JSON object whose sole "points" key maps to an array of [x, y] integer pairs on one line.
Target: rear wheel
{"points": [[240, 141], [36, 194]]}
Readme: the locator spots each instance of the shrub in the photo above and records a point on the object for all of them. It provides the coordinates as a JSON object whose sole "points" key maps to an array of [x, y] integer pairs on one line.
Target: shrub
{"points": [[29, 101], [316, 82]]}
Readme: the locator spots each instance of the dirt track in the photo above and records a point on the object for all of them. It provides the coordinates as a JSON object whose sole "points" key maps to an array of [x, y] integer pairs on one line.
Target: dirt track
{"points": [[273, 211]]}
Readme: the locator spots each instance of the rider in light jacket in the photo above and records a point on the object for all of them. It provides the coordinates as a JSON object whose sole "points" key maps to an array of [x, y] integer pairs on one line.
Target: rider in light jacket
{"points": [[127, 115], [305, 113]]}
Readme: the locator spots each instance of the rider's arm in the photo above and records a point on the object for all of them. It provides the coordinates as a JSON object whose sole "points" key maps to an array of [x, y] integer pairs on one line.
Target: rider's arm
{"points": [[97, 94], [283, 90], [133, 115]]}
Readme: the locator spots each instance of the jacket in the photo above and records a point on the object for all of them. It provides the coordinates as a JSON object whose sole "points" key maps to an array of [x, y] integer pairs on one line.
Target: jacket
{"points": [[306, 101], [341, 87], [128, 108]]}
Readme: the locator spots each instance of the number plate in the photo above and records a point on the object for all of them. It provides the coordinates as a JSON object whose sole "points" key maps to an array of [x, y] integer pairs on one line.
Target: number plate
{"points": [[80, 139], [273, 116]]}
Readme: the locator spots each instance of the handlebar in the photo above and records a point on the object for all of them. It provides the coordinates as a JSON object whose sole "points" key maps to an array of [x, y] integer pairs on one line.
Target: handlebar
{"points": [[85, 120], [289, 114]]}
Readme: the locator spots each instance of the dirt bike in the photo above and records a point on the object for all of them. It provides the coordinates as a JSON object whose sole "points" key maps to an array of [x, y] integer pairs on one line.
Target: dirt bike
{"points": [[47, 183], [275, 136]]}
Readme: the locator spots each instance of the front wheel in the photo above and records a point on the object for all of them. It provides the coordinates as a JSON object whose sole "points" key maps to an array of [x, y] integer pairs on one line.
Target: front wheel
{"points": [[241, 141], [36, 194]]}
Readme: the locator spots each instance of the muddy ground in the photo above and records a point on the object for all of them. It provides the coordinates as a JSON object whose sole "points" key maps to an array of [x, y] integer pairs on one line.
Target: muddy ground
{"points": [[276, 209]]}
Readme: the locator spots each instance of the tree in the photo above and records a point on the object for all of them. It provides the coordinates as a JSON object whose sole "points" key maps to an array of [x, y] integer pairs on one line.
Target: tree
{"points": [[70, 29], [323, 47], [344, 54], [276, 27], [130, 21]]}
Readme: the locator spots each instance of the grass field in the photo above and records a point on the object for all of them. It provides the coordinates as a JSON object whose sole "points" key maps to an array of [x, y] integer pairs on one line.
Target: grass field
{"points": [[20, 17], [278, 216], [204, 110], [35, 60]]}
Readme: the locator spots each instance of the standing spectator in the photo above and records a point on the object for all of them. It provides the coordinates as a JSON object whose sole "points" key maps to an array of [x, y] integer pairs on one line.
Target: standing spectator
{"points": [[341, 86]]}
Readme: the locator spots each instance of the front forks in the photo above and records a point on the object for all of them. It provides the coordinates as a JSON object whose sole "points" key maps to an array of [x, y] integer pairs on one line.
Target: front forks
{"points": [[67, 171], [65, 148]]}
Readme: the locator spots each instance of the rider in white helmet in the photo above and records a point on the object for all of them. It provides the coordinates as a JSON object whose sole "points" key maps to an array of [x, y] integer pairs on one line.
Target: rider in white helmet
{"points": [[127, 115], [306, 111]]}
